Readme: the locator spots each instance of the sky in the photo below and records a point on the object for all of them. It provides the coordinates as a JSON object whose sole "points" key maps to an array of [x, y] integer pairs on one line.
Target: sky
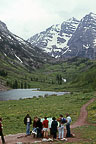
{"points": [[28, 17]]}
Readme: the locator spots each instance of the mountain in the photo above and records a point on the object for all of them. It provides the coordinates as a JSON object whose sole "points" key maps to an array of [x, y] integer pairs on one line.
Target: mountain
{"points": [[17, 51], [71, 38], [54, 39], [83, 41]]}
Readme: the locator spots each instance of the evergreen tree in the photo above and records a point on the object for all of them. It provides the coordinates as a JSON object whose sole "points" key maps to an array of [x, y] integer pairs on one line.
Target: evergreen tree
{"points": [[21, 85], [15, 84], [59, 79], [25, 85]]}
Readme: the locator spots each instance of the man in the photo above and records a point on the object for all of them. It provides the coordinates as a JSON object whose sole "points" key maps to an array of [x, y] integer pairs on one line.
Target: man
{"points": [[27, 122], [1, 133], [68, 125], [45, 128], [39, 128], [54, 125]]}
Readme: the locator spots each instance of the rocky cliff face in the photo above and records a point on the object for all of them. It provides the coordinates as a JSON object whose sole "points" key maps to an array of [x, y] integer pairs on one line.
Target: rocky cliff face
{"points": [[71, 38], [15, 50], [54, 39], [83, 41]]}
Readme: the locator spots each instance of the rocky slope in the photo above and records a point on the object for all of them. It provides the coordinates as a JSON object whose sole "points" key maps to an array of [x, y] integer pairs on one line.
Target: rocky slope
{"points": [[54, 39], [17, 51], [83, 41], [71, 38]]}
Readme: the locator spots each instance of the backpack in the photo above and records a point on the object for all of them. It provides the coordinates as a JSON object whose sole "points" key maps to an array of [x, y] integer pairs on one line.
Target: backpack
{"points": [[63, 120]]}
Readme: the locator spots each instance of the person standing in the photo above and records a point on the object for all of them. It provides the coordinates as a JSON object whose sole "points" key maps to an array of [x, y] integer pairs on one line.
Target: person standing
{"points": [[45, 128], [34, 130], [69, 120], [39, 128], [1, 132], [54, 125], [27, 122], [61, 127]]}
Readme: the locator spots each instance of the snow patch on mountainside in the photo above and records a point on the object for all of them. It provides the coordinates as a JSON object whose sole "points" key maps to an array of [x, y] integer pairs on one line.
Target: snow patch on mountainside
{"points": [[18, 58], [55, 39]]}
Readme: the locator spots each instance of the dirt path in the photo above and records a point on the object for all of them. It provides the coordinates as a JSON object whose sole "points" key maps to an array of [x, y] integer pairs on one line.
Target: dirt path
{"points": [[83, 115], [13, 139]]}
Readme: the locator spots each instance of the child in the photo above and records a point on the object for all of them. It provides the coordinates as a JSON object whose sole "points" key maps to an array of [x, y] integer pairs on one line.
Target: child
{"points": [[54, 125], [1, 133]]}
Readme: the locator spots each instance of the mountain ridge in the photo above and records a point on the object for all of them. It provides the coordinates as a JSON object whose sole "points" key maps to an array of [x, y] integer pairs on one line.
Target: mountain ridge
{"points": [[55, 37], [64, 41], [17, 51]]}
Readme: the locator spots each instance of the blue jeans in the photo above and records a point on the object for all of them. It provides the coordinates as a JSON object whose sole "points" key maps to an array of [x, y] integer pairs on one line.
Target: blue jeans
{"points": [[61, 132], [34, 130], [28, 128]]}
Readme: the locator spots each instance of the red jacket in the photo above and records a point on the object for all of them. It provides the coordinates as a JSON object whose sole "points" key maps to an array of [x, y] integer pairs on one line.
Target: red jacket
{"points": [[45, 123]]}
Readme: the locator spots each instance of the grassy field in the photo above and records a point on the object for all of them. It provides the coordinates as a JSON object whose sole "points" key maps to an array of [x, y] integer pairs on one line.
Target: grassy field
{"points": [[85, 134], [13, 112], [92, 112]]}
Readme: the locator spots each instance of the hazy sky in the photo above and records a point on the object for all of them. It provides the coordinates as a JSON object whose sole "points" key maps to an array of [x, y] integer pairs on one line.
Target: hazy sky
{"points": [[28, 17]]}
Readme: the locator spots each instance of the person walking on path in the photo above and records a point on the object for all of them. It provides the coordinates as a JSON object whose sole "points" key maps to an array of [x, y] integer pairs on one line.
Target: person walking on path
{"points": [[27, 122], [1, 132], [45, 128], [54, 125], [69, 120]]}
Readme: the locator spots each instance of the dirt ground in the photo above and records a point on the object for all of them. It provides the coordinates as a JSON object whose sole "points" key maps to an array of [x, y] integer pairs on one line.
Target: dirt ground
{"points": [[22, 139]]}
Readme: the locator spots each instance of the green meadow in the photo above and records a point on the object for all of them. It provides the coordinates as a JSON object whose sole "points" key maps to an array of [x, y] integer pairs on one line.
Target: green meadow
{"points": [[81, 82], [13, 112]]}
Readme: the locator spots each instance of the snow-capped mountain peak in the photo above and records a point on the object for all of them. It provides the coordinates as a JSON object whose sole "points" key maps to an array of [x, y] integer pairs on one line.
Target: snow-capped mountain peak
{"points": [[54, 39], [71, 38], [92, 15]]}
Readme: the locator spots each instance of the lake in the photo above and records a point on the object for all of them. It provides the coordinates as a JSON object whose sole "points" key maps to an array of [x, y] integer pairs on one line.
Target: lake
{"points": [[16, 94]]}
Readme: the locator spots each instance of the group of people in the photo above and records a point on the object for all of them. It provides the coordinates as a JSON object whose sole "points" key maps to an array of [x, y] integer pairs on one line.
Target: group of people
{"points": [[42, 127]]}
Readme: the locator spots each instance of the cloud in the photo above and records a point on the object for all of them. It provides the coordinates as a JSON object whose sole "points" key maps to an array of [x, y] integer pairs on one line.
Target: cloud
{"points": [[27, 17]]}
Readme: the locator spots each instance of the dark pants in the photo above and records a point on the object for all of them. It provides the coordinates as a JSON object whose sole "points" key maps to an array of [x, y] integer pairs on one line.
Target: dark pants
{"points": [[39, 134], [54, 135], [2, 137], [68, 130]]}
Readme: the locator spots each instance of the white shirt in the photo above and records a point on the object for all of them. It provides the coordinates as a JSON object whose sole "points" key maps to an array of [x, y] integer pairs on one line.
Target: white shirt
{"points": [[69, 120], [28, 119]]}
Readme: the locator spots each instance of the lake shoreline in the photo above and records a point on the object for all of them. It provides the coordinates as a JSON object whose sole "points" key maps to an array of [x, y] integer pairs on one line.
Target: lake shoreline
{"points": [[17, 94]]}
